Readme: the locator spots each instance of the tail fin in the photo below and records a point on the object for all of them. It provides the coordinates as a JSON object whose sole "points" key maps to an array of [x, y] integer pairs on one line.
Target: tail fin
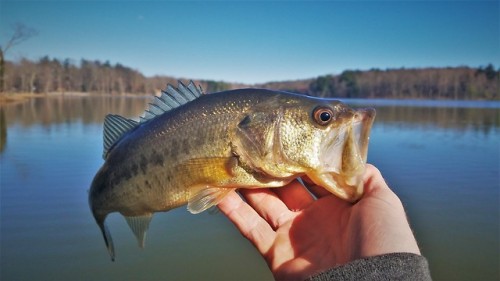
{"points": [[107, 236]]}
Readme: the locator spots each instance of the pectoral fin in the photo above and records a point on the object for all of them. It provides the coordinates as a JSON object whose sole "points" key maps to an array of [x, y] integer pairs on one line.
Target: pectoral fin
{"points": [[214, 171], [207, 198], [210, 174], [139, 226]]}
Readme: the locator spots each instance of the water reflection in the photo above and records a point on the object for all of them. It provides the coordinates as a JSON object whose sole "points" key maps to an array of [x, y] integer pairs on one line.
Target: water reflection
{"points": [[92, 109], [3, 130], [67, 109], [477, 119], [441, 161]]}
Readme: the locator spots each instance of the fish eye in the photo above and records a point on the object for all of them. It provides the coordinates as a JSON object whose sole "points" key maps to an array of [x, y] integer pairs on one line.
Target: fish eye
{"points": [[323, 115]]}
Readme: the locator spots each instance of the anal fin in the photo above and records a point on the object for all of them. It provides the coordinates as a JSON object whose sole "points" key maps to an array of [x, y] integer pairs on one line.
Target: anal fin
{"points": [[139, 226]]}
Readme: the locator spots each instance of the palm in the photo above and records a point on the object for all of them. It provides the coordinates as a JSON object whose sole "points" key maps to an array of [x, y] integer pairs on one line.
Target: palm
{"points": [[309, 238], [299, 236]]}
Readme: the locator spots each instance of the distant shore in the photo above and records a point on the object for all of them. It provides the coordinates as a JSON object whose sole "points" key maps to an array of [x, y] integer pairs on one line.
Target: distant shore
{"points": [[13, 98], [10, 98], [447, 83]]}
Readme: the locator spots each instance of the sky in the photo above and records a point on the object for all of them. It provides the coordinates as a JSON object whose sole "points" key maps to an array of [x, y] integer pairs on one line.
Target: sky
{"points": [[258, 41]]}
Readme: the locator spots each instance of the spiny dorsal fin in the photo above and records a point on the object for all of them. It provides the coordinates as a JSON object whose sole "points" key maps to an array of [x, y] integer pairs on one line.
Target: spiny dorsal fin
{"points": [[171, 98], [115, 126], [139, 226]]}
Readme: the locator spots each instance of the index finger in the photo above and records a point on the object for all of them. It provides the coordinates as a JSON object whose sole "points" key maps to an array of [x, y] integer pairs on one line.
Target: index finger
{"points": [[248, 221], [316, 190]]}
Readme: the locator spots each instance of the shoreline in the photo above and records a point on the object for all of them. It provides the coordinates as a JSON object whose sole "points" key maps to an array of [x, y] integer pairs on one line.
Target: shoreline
{"points": [[14, 98]]}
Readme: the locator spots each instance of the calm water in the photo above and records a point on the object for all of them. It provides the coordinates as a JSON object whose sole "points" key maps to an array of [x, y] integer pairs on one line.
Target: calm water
{"points": [[441, 158]]}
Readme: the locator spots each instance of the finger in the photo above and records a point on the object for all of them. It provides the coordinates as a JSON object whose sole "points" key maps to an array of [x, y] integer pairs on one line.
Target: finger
{"points": [[248, 222], [316, 190], [373, 179], [268, 205], [370, 172], [294, 195], [376, 187]]}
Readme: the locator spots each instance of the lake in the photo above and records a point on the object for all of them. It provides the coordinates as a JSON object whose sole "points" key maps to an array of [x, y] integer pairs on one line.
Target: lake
{"points": [[441, 158]]}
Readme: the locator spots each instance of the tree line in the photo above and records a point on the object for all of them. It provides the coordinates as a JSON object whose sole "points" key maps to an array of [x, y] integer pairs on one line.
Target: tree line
{"points": [[93, 76], [48, 75], [53, 75], [426, 83]]}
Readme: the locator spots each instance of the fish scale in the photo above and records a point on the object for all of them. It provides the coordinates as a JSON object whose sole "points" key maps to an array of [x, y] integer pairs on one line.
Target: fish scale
{"points": [[191, 148]]}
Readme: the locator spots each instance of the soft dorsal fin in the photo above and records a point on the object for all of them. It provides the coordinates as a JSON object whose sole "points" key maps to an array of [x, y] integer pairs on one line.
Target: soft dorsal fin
{"points": [[139, 226], [171, 98], [115, 126]]}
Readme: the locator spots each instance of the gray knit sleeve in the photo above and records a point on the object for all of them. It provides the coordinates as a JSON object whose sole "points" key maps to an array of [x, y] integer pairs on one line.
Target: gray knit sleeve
{"points": [[394, 266]]}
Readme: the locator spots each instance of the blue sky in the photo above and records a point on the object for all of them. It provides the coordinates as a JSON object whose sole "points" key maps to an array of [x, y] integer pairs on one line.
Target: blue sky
{"points": [[258, 41]]}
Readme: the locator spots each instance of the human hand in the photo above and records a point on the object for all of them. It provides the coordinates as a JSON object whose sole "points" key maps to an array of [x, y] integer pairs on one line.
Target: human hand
{"points": [[299, 236]]}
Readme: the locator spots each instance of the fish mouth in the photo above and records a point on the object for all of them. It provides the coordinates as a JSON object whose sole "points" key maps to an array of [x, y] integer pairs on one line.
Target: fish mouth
{"points": [[345, 154]]}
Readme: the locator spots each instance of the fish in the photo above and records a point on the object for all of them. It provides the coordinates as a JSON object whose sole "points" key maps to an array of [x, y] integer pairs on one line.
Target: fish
{"points": [[194, 148]]}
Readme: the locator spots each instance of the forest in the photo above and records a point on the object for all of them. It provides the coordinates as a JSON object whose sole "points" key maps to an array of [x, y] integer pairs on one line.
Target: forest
{"points": [[48, 75]]}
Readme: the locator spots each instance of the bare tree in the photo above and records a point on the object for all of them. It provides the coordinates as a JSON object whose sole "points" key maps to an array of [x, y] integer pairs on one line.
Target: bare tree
{"points": [[20, 34]]}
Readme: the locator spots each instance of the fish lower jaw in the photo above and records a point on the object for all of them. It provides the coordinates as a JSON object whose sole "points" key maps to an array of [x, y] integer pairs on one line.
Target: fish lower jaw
{"points": [[356, 184], [352, 190]]}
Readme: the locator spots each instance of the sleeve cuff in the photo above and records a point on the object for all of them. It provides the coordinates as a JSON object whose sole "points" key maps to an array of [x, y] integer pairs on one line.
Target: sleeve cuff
{"points": [[393, 266]]}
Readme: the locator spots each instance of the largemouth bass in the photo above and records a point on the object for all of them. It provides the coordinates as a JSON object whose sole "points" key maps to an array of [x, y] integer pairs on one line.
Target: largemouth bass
{"points": [[191, 148]]}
